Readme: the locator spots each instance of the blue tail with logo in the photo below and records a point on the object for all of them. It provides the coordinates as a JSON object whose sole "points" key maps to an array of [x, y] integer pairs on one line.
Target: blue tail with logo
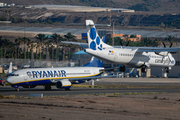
{"points": [[94, 63], [94, 41]]}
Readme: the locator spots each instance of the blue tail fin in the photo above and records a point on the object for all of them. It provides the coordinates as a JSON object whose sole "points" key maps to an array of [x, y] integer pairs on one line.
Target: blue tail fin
{"points": [[94, 41], [104, 38], [94, 63], [131, 72]]}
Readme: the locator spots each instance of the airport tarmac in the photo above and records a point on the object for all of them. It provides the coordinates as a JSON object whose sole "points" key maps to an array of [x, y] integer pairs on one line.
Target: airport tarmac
{"points": [[63, 105], [7, 90]]}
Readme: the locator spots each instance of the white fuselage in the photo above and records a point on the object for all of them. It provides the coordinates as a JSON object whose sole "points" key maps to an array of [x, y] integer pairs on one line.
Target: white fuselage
{"points": [[130, 57], [40, 76]]}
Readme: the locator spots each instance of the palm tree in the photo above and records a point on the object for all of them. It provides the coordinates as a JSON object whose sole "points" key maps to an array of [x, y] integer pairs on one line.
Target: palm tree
{"points": [[57, 38], [169, 38], [70, 37], [47, 49], [18, 43], [12, 49], [41, 38], [37, 46], [31, 49], [24, 40], [63, 51], [28, 41], [5, 46], [156, 42], [52, 50]]}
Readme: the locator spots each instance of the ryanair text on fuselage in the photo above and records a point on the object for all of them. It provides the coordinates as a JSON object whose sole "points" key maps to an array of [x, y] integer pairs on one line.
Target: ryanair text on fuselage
{"points": [[43, 74]]}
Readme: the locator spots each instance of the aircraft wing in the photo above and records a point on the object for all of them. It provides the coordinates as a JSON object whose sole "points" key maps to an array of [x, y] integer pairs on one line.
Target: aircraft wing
{"points": [[87, 78], [158, 49], [76, 43], [104, 38], [94, 77]]}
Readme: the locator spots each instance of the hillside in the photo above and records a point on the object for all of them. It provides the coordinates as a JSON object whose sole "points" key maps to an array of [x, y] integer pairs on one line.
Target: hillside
{"points": [[165, 6], [47, 18], [150, 14]]}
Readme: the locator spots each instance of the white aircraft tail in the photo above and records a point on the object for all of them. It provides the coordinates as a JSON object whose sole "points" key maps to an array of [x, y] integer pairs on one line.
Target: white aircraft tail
{"points": [[94, 41], [10, 68]]}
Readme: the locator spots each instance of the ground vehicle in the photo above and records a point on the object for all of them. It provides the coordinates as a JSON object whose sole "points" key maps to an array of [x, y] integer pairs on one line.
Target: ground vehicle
{"points": [[2, 82]]}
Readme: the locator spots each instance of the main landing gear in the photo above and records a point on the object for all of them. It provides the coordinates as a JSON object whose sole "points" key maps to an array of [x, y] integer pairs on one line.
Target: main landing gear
{"points": [[122, 69], [17, 89], [143, 69], [167, 69], [47, 87], [67, 89]]}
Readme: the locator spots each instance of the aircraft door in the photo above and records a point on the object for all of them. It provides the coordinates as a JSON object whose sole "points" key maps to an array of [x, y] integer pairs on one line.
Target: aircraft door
{"points": [[25, 79], [93, 71], [115, 56]]}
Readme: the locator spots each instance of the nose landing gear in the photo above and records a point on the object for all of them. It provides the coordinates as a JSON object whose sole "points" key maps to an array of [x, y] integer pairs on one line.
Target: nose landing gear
{"points": [[167, 69]]}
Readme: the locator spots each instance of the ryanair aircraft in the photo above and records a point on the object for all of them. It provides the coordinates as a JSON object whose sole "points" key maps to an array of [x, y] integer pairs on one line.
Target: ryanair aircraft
{"points": [[62, 77], [138, 57]]}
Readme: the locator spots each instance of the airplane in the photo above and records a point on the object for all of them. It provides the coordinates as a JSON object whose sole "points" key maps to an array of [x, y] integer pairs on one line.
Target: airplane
{"points": [[135, 57], [62, 77]]}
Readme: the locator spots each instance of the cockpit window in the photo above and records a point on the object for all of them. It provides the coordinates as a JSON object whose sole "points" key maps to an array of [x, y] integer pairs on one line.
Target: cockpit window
{"points": [[14, 75]]}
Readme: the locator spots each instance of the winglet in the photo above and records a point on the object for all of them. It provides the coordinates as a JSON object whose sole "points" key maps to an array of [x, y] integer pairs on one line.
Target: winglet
{"points": [[10, 68]]}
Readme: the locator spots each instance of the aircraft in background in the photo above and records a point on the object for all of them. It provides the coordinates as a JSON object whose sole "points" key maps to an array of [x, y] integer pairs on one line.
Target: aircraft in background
{"points": [[62, 77], [138, 57]]}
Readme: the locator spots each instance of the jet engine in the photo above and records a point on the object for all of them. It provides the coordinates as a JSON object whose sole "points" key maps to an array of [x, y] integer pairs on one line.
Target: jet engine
{"points": [[63, 84]]}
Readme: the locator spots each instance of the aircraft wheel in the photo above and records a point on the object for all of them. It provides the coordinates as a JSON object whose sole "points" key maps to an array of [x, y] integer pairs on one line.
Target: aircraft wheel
{"points": [[144, 70], [17, 89], [122, 69], [167, 70], [47, 87], [67, 89]]}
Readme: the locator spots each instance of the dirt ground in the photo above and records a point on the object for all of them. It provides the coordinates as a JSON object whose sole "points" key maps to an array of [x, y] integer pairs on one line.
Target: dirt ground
{"points": [[122, 107]]}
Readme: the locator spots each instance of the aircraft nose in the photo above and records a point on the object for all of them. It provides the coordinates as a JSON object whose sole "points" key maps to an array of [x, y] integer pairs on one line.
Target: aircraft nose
{"points": [[8, 80]]}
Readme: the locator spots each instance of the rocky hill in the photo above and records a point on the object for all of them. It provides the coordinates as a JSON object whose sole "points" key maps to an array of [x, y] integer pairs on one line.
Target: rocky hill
{"points": [[165, 6], [161, 14], [43, 17]]}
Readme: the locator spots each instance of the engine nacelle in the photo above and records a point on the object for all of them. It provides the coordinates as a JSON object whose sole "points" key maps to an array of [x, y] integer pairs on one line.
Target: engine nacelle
{"points": [[29, 86], [63, 84]]}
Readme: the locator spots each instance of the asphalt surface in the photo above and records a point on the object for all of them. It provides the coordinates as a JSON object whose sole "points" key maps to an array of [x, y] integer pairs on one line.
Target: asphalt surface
{"points": [[8, 90]]}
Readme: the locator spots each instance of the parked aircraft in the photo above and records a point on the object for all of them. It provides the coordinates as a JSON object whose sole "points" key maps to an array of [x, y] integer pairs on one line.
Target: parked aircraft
{"points": [[138, 57], [62, 77]]}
